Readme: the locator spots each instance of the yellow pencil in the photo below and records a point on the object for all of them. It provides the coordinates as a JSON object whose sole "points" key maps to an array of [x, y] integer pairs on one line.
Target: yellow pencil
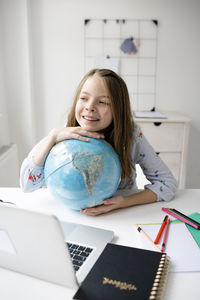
{"points": [[148, 238]]}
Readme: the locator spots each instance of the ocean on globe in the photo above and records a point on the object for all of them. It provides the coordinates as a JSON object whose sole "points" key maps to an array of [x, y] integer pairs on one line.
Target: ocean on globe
{"points": [[82, 174]]}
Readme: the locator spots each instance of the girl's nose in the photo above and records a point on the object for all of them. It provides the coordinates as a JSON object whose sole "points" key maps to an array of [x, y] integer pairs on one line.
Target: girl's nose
{"points": [[90, 106]]}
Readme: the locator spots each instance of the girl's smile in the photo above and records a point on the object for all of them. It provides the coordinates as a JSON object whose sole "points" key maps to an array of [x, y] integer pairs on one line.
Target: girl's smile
{"points": [[90, 119]]}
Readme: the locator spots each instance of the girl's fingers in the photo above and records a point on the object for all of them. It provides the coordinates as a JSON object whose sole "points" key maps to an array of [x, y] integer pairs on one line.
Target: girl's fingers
{"points": [[108, 205], [80, 137], [101, 209], [94, 135], [75, 133], [78, 131]]}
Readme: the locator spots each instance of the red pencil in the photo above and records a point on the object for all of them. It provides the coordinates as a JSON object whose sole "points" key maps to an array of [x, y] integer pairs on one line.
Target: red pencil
{"points": [[165, 235], [161, 230]]}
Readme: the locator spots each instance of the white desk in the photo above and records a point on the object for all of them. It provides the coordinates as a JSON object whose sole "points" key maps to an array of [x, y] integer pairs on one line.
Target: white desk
{"points": [[18, 286]]}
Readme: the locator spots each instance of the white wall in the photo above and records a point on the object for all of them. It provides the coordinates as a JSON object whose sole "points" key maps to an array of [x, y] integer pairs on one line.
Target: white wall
{"points": [[4, 131], [15, 52], [43, 53]]}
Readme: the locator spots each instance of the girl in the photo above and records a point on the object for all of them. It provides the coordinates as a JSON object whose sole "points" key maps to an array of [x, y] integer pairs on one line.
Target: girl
{"points": [[101, 110]]}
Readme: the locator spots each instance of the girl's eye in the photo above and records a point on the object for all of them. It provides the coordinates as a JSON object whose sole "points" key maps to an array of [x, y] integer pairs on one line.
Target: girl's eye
{"points": [[83, 98], [103, 102]]}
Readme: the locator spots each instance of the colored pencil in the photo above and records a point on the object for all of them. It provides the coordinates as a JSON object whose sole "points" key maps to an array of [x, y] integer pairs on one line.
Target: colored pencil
{"points": [[186, 220], [184, 216], [147, 238], [165, 235]]}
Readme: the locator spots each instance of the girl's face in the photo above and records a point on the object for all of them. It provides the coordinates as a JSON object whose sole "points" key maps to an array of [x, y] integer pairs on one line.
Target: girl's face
{"points": [[93, 111]]}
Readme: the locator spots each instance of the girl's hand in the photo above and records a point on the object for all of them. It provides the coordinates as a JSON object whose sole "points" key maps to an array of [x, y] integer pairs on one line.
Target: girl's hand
{"points": [[140, 197], [60, 134], [108, 205]]}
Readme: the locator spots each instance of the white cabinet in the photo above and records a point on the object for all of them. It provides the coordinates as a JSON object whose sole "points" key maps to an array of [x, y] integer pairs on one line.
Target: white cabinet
{"points": [[169, 138]]}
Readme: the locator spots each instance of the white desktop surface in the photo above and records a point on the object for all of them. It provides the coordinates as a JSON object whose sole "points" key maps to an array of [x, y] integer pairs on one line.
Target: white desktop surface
{"points": [[179, 285]]}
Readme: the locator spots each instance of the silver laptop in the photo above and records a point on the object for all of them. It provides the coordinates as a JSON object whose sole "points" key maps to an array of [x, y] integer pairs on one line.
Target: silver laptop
{"points": [[41, 246]]}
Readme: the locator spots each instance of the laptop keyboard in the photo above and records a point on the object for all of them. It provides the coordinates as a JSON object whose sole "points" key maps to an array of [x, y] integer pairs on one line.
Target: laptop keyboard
{"points": [[79, 254]]}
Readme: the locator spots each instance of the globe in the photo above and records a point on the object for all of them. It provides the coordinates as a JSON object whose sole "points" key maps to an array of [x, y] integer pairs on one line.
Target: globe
{"points": [[82, 174]]}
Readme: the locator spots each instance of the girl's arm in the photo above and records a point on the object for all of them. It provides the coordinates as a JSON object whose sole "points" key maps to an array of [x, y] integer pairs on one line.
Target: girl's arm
{"points": [[32, 169], [57, 135], [162, 181], [142, 197], [162, 186]]}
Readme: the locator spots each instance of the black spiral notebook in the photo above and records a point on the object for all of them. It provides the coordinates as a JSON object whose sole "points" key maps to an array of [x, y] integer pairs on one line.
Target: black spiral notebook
{"points": [[125, 273]]}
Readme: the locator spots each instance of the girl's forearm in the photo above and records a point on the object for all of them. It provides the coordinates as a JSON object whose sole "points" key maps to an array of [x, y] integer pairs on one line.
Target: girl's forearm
{"points": [[41, 151], [143, 197]]}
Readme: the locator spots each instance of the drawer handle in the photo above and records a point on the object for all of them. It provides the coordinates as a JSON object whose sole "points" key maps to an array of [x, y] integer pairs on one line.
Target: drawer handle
{"points": [[157, 123]]}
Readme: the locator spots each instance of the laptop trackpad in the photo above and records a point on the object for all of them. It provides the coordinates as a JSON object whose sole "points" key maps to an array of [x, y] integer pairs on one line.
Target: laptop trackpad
{"points": [[78, 233]]}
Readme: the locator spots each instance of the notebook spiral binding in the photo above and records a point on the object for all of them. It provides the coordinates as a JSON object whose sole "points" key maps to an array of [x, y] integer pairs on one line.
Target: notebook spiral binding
{"points": [[160, 279]]}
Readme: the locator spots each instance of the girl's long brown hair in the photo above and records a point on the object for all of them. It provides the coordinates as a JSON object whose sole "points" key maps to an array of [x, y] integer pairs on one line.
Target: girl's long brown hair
{"points": [[120, 132]]}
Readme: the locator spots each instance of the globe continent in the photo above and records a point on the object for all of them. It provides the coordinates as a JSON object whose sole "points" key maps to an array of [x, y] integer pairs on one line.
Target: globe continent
{"points": [[82, 174]]}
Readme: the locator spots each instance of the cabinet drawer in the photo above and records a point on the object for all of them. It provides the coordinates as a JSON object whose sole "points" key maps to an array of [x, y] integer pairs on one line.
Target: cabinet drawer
{"points": [[173, 161], [164, 137]]}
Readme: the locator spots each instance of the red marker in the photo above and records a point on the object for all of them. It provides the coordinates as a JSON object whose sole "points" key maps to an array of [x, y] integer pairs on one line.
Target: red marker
{"points": [[161, 230]]}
